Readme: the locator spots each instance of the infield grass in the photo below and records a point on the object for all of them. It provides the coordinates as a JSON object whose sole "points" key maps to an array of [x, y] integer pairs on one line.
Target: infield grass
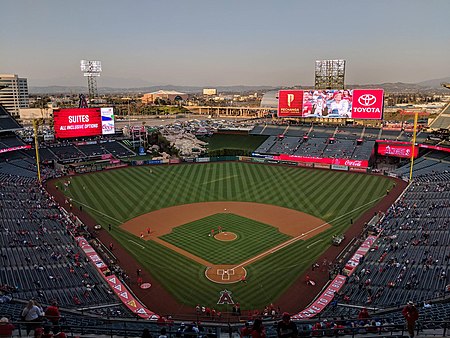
{"points": [[113, 197], [252, 238]]}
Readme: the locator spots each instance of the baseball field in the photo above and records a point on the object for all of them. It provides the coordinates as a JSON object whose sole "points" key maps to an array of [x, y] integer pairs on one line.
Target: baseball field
{"points": [[198, 229]]}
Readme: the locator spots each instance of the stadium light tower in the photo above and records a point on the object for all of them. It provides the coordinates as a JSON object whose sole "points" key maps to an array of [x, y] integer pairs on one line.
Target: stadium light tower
{"points": [[91, 70], [329, 74]]}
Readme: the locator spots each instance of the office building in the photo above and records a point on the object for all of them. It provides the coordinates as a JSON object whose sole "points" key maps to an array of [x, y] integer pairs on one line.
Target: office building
{"points": [[13, 93]]}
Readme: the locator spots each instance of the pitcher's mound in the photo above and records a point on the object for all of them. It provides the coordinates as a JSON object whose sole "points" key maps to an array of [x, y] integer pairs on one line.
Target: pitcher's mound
{"points": [[225, 236]]}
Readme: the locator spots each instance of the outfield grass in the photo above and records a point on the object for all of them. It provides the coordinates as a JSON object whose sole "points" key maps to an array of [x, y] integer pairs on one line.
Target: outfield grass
{"points": [[114, 197], [252, 238]]}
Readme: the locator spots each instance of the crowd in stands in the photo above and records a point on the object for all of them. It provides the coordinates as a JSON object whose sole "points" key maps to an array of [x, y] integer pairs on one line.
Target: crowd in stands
{"points": [[411, 258], [40, 259]]}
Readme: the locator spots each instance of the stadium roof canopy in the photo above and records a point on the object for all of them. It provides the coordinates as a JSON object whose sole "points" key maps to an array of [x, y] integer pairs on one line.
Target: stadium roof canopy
{"points": [[167, 92], [7, 123]]}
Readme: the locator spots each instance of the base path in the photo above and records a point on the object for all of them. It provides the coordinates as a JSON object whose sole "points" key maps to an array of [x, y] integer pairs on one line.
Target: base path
{"points": [[298, 225], [290, 222]]}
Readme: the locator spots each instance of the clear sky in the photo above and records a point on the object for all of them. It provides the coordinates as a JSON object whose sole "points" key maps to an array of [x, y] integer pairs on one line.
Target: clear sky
{"points": [[232, 42]]}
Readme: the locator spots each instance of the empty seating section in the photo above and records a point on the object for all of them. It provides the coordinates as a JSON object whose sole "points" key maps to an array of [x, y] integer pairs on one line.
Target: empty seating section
{"points": [[274, 130], [67, 152], [257, 130], [364, 150], [433, 162], [312, 147], [315, 142], [39, 258], [411, 258], [10, 142], [264, 148], [320, 132], [348, 133], [340, 149], [297, 131], [16, 167], [8, 123], [91, 150], [117, 149], [284, 145], [390, 134], [371, 133]]}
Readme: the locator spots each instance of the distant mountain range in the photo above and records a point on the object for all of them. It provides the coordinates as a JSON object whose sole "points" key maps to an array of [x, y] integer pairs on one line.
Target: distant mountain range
{"points": [[431, 86]]}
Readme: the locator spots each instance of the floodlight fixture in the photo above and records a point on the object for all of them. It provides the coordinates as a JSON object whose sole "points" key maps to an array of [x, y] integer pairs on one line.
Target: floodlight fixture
{"points": [[91, 70], [329, 74]]}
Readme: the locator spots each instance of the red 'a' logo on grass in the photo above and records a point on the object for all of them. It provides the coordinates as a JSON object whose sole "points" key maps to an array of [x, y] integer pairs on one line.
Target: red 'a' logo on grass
{"points": [[225, 297]]}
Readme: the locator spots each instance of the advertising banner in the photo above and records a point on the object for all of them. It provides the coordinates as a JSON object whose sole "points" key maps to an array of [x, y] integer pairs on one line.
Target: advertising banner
{"points": [[353, 262], [83, 122], [76, 122], [367, 104], [356, 104], [397, 150], [128, 299], [116, 285], [323, 300], [6, 150], [339, 167], [321, 166], [359, 170], [335, 161], [447, 150], [107, 121], [290, 103]]}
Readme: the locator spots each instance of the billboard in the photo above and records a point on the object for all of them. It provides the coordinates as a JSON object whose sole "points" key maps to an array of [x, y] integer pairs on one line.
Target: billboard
{"points": [[397, 150], [323, 160], [107, 121], [357, 103], [290, 103], [82, 122]]}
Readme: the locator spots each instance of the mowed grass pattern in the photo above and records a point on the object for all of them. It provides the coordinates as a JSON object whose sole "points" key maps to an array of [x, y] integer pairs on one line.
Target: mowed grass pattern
{"points": [[252, 238], [112, 197]]}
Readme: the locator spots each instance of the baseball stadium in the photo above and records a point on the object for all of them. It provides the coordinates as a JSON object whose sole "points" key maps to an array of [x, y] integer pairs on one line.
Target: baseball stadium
{"points": [[313, 209]]}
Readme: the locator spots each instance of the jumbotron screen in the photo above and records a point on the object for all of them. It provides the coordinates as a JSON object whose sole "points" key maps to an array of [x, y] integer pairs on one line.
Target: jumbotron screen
{"points": [[354, 104], [81, 122]]}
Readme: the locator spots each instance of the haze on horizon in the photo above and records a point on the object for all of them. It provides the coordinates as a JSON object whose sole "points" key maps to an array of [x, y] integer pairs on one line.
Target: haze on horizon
{"points": [[212, 43]]}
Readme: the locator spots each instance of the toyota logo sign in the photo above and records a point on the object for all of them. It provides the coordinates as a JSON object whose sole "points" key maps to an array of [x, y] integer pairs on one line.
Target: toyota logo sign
{"points": [[367, 100]]}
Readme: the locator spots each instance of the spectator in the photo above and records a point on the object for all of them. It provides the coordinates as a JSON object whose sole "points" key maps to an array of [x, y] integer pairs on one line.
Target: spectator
{"points": [[32, 314], [411, 314], [60, 335], [146, 334], [163, 333], [286, 328], [47, 333], [6, 328], [363, 314], [258, 330], [53, 315], [246, 330]]}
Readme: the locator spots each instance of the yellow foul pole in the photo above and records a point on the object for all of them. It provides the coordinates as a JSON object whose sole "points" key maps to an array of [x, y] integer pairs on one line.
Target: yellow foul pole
{"points": [[36, 146], [416, 115]]}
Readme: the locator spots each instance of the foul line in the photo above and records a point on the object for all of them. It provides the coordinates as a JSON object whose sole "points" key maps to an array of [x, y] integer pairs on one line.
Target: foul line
{"points": [[101, 213], [320, 240], [296, 239], [130, 240]]}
